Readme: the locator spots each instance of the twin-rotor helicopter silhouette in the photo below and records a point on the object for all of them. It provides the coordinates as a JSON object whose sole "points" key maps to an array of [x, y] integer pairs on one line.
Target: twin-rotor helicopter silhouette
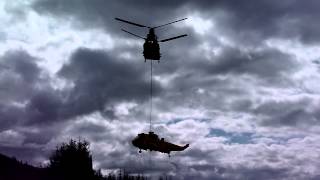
{"points": [[151, 48]]}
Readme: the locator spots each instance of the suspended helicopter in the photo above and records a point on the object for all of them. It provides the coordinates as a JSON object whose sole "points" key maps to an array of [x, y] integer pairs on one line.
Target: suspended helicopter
{"points": [[152, 142], [151, 48]]}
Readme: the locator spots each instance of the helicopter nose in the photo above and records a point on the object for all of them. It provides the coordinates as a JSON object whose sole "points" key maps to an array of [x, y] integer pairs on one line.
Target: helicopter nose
{"points": [[134, 142]]}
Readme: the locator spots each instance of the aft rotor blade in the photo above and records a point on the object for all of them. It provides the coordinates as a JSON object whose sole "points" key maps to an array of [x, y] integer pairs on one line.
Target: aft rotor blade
{"points": [[170, 23], [169, 39], [133, 34], [132, 23]]}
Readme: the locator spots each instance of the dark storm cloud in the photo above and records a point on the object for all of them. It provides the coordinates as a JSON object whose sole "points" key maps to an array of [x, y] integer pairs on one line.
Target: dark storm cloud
{"points": [[27, 91], [269, 65], [10, 116], [44, 107], [36, 111], [288, 113], [28, 99], [41, 136], [101, 13], [264, 19], [253, 21], [100, 80], [27, 103], [248, 21], [20, 76], [265, 63], [17, 84], [23, 64]]}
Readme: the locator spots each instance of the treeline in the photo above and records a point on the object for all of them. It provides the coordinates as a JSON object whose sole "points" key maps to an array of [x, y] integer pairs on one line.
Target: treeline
{"points": [[123, 175], [73, 160], [70, 161]]}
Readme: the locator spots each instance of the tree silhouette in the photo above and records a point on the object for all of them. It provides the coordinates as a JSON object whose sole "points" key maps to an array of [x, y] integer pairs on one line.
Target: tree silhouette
{"points": [[72, 160]]}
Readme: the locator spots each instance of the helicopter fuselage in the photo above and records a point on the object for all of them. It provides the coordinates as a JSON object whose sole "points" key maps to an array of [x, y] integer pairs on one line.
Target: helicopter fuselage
{"points": [[151, 142], [151, 48]]}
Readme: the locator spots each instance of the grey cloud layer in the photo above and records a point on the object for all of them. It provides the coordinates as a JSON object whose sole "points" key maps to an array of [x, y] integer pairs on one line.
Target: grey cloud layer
{"points": [[255, 20], [235, 82], [28, 100], [98, 81]]}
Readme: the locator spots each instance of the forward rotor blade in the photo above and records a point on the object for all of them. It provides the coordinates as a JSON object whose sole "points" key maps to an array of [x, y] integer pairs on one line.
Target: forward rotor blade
{"points": [[169, 39], [170, 23], [132, 23], [133, 34]]}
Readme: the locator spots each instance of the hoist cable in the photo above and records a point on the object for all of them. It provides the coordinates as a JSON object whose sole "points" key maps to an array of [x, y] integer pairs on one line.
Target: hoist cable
{"points": [[150, 95]]}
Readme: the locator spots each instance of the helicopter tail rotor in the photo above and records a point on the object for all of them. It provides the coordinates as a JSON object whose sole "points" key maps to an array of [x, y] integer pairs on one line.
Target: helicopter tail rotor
{"points": [[176, 37]]}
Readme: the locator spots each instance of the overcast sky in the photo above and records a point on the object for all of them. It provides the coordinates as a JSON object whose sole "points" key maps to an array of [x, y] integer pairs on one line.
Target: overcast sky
{"points": [[242, 89]]}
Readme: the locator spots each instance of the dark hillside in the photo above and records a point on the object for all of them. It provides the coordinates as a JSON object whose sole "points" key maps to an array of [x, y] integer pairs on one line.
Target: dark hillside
{"points": [[11, 169]]}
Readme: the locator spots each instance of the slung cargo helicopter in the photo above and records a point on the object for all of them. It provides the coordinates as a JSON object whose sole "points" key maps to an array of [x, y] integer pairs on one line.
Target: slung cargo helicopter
{"points": [[151, 48], [152, 142]]}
